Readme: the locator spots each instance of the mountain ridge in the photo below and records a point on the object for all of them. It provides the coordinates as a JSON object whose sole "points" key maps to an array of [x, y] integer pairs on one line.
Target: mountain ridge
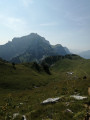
{"points": [[29, 48]]}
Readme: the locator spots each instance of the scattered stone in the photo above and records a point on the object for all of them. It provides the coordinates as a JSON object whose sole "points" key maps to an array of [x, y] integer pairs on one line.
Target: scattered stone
{"points": [[35, 87], [24, 117], [67, 103], [15, 115], [70, 73], [77, 97], [21, 103], [68, 110], [51, 100]]}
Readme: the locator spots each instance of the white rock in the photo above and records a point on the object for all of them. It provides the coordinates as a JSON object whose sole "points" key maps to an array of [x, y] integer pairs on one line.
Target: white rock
{"points": [[24, 117], [77, 97], [50, 100], [68, 110], [15, 115], [67, 103], [70, 73], [21, 103]]}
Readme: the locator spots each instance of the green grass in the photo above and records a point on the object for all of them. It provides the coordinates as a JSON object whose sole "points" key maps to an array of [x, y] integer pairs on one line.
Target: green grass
{"points": [[22, 77], [24, 84]]}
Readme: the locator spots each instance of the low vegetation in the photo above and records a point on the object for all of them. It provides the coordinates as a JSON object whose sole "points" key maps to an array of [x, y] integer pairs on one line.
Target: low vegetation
{"points": [[23, 87]]}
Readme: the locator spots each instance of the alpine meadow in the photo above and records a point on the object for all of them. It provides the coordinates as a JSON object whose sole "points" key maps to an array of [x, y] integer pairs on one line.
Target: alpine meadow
{"points": [[45, 60]]}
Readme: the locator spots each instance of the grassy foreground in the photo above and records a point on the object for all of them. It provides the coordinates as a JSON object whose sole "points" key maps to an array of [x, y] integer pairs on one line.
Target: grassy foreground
{"points": [[23, 88]]}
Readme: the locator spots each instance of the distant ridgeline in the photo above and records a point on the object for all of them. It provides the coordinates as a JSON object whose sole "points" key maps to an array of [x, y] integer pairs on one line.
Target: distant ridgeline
{"points": [[29, 48], [85, 54]]}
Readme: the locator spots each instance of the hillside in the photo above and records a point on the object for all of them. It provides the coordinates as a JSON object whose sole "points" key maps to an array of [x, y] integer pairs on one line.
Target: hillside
{"points": [[22, 76], [28, 48], [23, 87]]}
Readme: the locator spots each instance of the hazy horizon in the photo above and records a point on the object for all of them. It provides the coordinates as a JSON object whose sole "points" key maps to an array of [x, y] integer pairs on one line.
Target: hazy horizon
{"points": [[59, 21]]}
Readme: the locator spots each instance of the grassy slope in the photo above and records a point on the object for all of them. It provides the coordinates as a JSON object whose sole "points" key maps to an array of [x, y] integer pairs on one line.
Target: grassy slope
{"points": [[79, 67], [22, 77], [23, 80]]}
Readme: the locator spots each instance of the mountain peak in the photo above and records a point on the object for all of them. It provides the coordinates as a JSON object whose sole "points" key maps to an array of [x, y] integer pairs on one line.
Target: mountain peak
{"points": [[32, 46], [58, 45], [33, 34], [29, 35]]}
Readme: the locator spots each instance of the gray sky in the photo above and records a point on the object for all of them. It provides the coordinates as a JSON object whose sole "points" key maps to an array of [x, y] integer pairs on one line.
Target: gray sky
{"points": [[65, 22]]}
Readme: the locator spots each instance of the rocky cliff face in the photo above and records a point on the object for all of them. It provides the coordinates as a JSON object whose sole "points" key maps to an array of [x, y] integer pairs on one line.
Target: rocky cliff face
{"points": [[29, 48]]}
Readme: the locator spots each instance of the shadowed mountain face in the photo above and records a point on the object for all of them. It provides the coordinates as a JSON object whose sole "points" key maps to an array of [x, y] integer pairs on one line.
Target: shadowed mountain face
{"points": [[59, 49], [67, 50], [29, 48]]}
